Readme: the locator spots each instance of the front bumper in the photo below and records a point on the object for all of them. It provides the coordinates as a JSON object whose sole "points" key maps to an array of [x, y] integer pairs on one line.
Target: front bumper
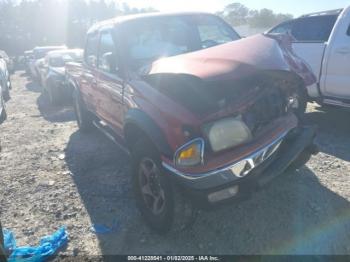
{"points": [[272, 160]]}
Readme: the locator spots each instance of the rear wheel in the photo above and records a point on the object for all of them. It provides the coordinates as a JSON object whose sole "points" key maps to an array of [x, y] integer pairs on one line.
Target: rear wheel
{"points": [[84, 118], [54, 94]]}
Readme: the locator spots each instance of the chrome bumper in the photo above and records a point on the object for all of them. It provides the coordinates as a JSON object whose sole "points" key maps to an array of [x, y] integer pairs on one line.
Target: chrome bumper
{"points": [[232, 172]]}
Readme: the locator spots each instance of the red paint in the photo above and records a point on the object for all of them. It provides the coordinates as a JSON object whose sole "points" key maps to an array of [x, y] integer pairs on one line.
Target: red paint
{"points": [[231, 61]]}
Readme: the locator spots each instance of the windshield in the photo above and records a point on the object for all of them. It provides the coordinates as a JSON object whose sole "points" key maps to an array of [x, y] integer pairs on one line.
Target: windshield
{"points": [[42, 52], [149, 39], [61, 60]]}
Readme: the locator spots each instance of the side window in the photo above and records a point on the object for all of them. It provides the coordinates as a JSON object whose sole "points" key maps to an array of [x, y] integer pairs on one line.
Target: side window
{"points": [[284, 28], [314, 29], [91, 50], [107, 58]]}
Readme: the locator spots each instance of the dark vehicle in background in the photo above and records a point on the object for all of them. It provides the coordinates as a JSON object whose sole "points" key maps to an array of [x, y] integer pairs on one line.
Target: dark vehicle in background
{"points": [[28, 56], [53, 73], [40, 53], [5, 80], [3, 114], [200, 111]]}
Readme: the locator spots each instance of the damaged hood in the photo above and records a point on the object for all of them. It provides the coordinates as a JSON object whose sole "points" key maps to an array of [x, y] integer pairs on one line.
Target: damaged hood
{"points": [[236, 60]]}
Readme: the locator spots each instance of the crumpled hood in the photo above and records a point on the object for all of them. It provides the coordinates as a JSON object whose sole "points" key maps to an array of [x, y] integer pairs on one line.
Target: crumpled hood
{"points": [[236, 60]]}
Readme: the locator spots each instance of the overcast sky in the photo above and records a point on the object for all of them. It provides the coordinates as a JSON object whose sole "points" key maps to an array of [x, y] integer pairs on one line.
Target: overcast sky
{"points": [[296, 7]]}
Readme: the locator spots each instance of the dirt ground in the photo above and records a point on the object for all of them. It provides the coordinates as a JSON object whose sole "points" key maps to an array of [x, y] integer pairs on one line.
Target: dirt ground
{"points": [[51, 175]]}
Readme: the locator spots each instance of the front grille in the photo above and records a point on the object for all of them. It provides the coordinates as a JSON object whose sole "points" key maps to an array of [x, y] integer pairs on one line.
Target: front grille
{"points": [[268, 107]]}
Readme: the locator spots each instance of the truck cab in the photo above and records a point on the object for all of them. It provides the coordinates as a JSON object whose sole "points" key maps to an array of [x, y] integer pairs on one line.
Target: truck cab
{"points": [[322, 39]]}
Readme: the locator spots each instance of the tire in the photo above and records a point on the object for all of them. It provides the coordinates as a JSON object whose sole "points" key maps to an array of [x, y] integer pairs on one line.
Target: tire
{"points": [[54, 94], [6, 91], [3, 115], [83, 116], [159, 202], [37, 77], [6, 95]]}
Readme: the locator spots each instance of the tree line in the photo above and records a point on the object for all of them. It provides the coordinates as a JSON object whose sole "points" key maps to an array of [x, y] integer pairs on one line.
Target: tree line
{"points": [[237, 14], [30, 23]]}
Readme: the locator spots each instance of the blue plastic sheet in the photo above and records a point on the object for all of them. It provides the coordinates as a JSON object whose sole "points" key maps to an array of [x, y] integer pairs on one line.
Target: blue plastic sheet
{"points": [[103, 229], [100, 229], [49, 245], [9, 241]]}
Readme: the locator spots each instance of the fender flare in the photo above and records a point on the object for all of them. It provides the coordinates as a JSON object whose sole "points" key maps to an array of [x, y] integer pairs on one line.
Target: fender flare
{"points": [[148, 126], [71, 82]]}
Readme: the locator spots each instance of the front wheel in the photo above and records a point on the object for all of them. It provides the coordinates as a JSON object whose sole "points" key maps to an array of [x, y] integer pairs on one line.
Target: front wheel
{"points": [[153, 192], [162, 204]]}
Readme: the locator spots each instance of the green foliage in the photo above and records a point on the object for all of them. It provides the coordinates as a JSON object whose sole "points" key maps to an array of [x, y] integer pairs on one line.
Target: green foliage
{"points": [[237, 14], [31, 23]]}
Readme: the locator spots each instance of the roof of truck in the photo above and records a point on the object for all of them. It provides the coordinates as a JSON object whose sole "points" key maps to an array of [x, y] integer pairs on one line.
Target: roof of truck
{"points": [[46, 48], [329, 12], [65, 51], [126, 18]]}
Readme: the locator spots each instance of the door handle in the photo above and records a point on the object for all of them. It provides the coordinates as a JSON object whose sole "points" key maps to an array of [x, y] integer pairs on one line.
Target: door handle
{"points": [[343, 50]]}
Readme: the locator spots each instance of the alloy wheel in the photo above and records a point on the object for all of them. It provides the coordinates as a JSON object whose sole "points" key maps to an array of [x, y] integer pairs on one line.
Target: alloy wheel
{"points": [[151, 188]]}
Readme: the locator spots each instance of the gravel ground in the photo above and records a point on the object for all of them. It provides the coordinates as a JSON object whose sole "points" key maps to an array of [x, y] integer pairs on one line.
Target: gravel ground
{"points": [[52, 175]]}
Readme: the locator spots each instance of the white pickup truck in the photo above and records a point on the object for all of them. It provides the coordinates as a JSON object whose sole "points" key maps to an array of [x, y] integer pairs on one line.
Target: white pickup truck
{"points": [[323, 40]]}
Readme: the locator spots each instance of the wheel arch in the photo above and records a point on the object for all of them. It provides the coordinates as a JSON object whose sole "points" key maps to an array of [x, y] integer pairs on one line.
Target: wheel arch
{"points": [[139, 124]]}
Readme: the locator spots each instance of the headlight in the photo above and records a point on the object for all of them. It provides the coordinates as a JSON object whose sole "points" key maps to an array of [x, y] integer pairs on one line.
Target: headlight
{"points": [[190, 154], [227, 133]]}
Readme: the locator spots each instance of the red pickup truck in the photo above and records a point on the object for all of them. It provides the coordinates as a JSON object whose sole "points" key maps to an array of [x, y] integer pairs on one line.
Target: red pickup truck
{"points": [[201, 111]]}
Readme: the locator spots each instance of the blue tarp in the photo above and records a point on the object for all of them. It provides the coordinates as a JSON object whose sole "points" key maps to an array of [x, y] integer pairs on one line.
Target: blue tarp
{"points": [[48, 247]]}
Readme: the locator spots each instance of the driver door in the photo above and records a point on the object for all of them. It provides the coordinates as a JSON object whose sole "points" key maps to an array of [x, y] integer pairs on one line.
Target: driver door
{"points": [[110, 83]]}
